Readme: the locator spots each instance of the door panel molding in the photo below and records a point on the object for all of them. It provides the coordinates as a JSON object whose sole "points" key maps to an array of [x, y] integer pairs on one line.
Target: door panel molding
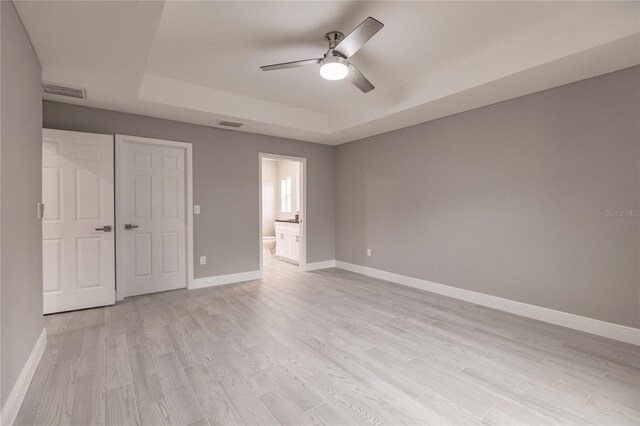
{"points": [[167, 204]]}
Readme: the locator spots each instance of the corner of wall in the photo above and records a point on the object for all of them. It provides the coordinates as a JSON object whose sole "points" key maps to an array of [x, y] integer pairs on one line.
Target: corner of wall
{"points": [[21, 237]]}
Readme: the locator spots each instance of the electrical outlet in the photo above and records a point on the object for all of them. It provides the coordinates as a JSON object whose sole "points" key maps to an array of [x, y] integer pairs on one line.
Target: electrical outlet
{"points": [[203, 260], [196, 209], [369, 252]]}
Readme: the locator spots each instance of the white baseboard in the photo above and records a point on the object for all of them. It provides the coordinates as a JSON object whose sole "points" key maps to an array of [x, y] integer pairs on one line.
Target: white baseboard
{"points": [[577, 322], [19, 390], [225, 279], [319, 265]]}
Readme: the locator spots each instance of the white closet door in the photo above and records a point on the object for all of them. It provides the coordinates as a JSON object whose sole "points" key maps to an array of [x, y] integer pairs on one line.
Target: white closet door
{"points": [[77, 226], [152, 225]]}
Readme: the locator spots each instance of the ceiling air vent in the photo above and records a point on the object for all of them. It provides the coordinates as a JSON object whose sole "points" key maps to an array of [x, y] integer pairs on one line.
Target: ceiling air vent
{"points": [[60, 90], [230, 124]]}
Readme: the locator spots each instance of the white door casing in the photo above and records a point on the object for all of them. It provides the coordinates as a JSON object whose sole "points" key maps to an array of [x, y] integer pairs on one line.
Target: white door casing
{"points": [[77, 191], [154, 198]]}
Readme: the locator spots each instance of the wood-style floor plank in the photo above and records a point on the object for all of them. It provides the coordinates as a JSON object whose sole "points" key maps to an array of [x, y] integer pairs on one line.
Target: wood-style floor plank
{"points": [[215, 404], [329, 347], [181, 400], [120, 407], [155, 414], [57, 402], [117, 365], [93, 350], [249, 407], [88, 404]]}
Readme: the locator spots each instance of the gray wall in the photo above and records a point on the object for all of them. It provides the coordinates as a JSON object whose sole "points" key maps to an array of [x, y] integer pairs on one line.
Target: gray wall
{"points": [[20, 180], [508, 200], [225, 168]]}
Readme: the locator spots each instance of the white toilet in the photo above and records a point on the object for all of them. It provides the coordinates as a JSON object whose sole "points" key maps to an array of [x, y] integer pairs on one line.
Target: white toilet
{"points": [[269, 243]]}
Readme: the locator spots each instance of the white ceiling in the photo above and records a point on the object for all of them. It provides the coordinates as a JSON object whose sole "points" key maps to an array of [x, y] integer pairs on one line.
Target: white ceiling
{"points": [[199, 61]]}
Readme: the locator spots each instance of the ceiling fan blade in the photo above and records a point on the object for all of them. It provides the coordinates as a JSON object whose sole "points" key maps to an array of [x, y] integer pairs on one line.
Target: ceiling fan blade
{"points": [[358, 37], [356, 78], [293, 64]]}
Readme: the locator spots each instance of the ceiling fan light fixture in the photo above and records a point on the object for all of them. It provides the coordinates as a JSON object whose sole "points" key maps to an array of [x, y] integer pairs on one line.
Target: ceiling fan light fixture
{"points": [[335, 65], [334, 68]]}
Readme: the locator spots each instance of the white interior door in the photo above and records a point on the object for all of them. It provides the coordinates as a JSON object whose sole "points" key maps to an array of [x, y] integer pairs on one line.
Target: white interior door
{"points": [[77, 226], [151, 220]]}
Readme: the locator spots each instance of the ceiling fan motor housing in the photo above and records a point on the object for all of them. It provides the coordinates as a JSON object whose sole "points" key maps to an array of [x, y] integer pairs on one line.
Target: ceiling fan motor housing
{"points": [[334, 37]]}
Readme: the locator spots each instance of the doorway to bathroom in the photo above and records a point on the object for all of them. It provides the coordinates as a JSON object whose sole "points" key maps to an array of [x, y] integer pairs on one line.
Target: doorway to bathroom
{"points": [[282, 219]]}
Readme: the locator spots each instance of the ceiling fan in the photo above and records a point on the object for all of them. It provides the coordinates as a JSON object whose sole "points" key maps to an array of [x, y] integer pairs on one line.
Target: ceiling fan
{"points": [[334, 64]]}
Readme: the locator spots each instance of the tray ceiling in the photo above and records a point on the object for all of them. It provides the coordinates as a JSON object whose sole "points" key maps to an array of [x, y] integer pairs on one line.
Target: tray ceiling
{"points": [[199, 61]]}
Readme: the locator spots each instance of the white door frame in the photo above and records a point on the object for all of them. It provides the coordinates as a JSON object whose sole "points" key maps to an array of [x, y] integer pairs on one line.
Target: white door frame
{"points": [[188, 200], [303, 204]]}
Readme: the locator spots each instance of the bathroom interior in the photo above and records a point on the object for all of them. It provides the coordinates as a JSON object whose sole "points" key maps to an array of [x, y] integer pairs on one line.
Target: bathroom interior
{"points": [[281, 211]]}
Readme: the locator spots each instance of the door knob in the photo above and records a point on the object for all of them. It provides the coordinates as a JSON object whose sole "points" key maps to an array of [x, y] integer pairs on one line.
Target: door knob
{"points": [[104, 228], [129, 226]]}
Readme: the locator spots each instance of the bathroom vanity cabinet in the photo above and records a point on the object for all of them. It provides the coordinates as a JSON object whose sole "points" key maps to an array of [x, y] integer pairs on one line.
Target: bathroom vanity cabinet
{"points": [[288, 241]]}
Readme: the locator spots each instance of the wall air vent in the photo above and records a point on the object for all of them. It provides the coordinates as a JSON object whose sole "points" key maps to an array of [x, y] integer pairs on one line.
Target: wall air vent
{"points": [[60, 90], [230, 124]]}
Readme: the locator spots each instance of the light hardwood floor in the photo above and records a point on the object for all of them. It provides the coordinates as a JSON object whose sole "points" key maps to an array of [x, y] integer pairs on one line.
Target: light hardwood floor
{"points": [[328, 347]]}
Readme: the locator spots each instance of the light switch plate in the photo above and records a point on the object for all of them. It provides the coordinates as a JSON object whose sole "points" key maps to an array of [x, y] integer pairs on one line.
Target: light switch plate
{"points": [[196, 209], [368, 252], [203, 260]]}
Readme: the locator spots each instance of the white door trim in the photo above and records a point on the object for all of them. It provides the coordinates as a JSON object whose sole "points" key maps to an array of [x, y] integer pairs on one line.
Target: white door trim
{"points": [[303, 204], [188, 200]]}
